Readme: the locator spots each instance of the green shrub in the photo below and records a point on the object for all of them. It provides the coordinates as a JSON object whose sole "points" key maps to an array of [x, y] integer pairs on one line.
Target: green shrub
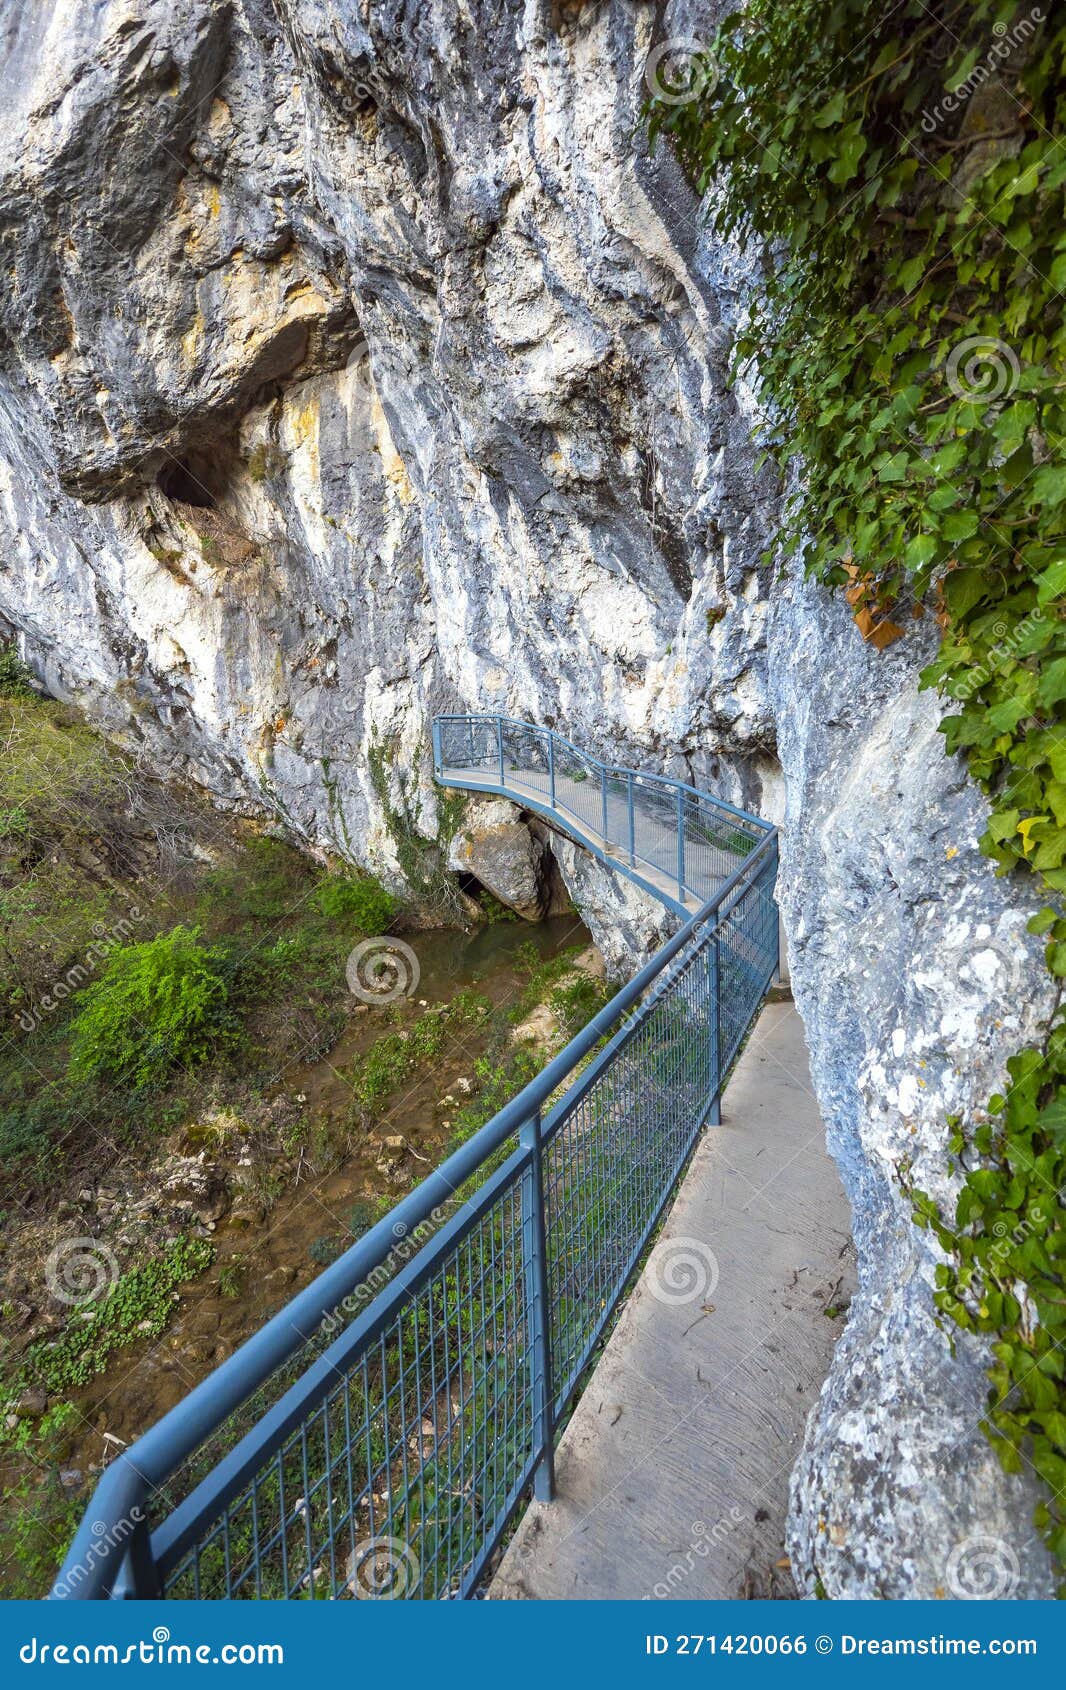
{"points": [[324, 1251], [15, 678], [494, 911], [356, 898], [157, 1005], [25, 1142], [496, 1083], [267, 884], [14, 824], [39, 1516]]}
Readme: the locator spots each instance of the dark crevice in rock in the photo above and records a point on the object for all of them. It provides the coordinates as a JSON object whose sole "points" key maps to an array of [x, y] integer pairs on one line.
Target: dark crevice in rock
{"points": [[185, 482]]}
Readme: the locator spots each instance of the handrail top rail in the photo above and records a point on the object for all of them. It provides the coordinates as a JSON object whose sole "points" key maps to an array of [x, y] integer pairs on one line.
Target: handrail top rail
{"points": [[617, 768]]}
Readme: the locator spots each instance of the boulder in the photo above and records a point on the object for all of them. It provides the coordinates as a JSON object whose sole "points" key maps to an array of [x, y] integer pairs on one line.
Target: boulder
{"points": [[497, 847]]}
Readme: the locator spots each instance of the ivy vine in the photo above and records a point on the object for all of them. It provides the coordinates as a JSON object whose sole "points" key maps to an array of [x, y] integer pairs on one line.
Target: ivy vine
{"points": [[908, 174]]}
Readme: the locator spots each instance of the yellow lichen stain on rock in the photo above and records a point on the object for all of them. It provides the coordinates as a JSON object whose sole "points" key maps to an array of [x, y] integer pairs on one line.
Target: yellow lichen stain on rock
{"points": [[301, 293], [259, 303], [192, 339], [218, 119], [304, 424]]}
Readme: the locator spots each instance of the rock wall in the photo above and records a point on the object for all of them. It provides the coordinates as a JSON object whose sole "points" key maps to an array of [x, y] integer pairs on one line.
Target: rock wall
{"points": [[356, 362], [916, 979]]}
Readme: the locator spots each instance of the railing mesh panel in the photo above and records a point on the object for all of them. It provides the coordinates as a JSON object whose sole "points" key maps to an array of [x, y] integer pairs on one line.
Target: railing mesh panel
{"points": [[692, 841], [615, 1154], [395, 1482], [747, 957]]}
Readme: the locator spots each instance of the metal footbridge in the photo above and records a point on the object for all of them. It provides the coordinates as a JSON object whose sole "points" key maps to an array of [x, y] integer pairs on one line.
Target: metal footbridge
{"points": [[377, 1437]]}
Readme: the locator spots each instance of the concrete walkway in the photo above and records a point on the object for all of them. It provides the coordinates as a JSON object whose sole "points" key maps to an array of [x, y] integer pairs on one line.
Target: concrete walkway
{"points": [[673, 1472]]}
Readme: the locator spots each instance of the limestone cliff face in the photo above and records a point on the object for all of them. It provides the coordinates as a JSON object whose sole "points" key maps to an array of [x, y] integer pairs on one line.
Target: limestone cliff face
{"points": [[356, 365], [356, 362]]}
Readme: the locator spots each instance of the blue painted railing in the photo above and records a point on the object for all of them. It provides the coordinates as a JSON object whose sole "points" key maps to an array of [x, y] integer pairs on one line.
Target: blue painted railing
{"points": [[376, 1437], [677, 842]]}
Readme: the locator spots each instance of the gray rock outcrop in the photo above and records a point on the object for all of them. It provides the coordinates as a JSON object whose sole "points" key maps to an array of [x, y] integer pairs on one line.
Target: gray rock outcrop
{"points": [[500, 851]]}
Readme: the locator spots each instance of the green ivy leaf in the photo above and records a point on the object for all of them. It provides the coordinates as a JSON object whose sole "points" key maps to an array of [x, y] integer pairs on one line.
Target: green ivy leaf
{"points": [[920, 551], [1049, 485], [831, 112], [1052, 687]]}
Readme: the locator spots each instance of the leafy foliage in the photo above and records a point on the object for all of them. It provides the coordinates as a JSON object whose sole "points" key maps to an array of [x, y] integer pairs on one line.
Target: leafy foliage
{"points": [[358, 899], [157, 1005], [15, 678], [139, 1305], [909, 173]]}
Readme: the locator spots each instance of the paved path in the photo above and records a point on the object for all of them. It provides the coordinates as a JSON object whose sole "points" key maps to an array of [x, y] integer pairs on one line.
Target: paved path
{"points": [[673, 1472]]}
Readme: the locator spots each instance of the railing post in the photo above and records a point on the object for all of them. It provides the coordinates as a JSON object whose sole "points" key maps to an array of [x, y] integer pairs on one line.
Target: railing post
{"points": [[438, 757], [714, 961], [535, 1257], [138, 1576], [632, 833], [499, 747], [603, 801], [551, 767], [681, 844]]}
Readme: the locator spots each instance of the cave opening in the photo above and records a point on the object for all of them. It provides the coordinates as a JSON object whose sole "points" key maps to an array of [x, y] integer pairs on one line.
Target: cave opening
{"points": [[186, 481]]}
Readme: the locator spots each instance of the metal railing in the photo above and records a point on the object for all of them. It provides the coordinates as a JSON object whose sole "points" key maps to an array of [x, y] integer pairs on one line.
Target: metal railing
{"points": [[677, 842], [377, 1435]]}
